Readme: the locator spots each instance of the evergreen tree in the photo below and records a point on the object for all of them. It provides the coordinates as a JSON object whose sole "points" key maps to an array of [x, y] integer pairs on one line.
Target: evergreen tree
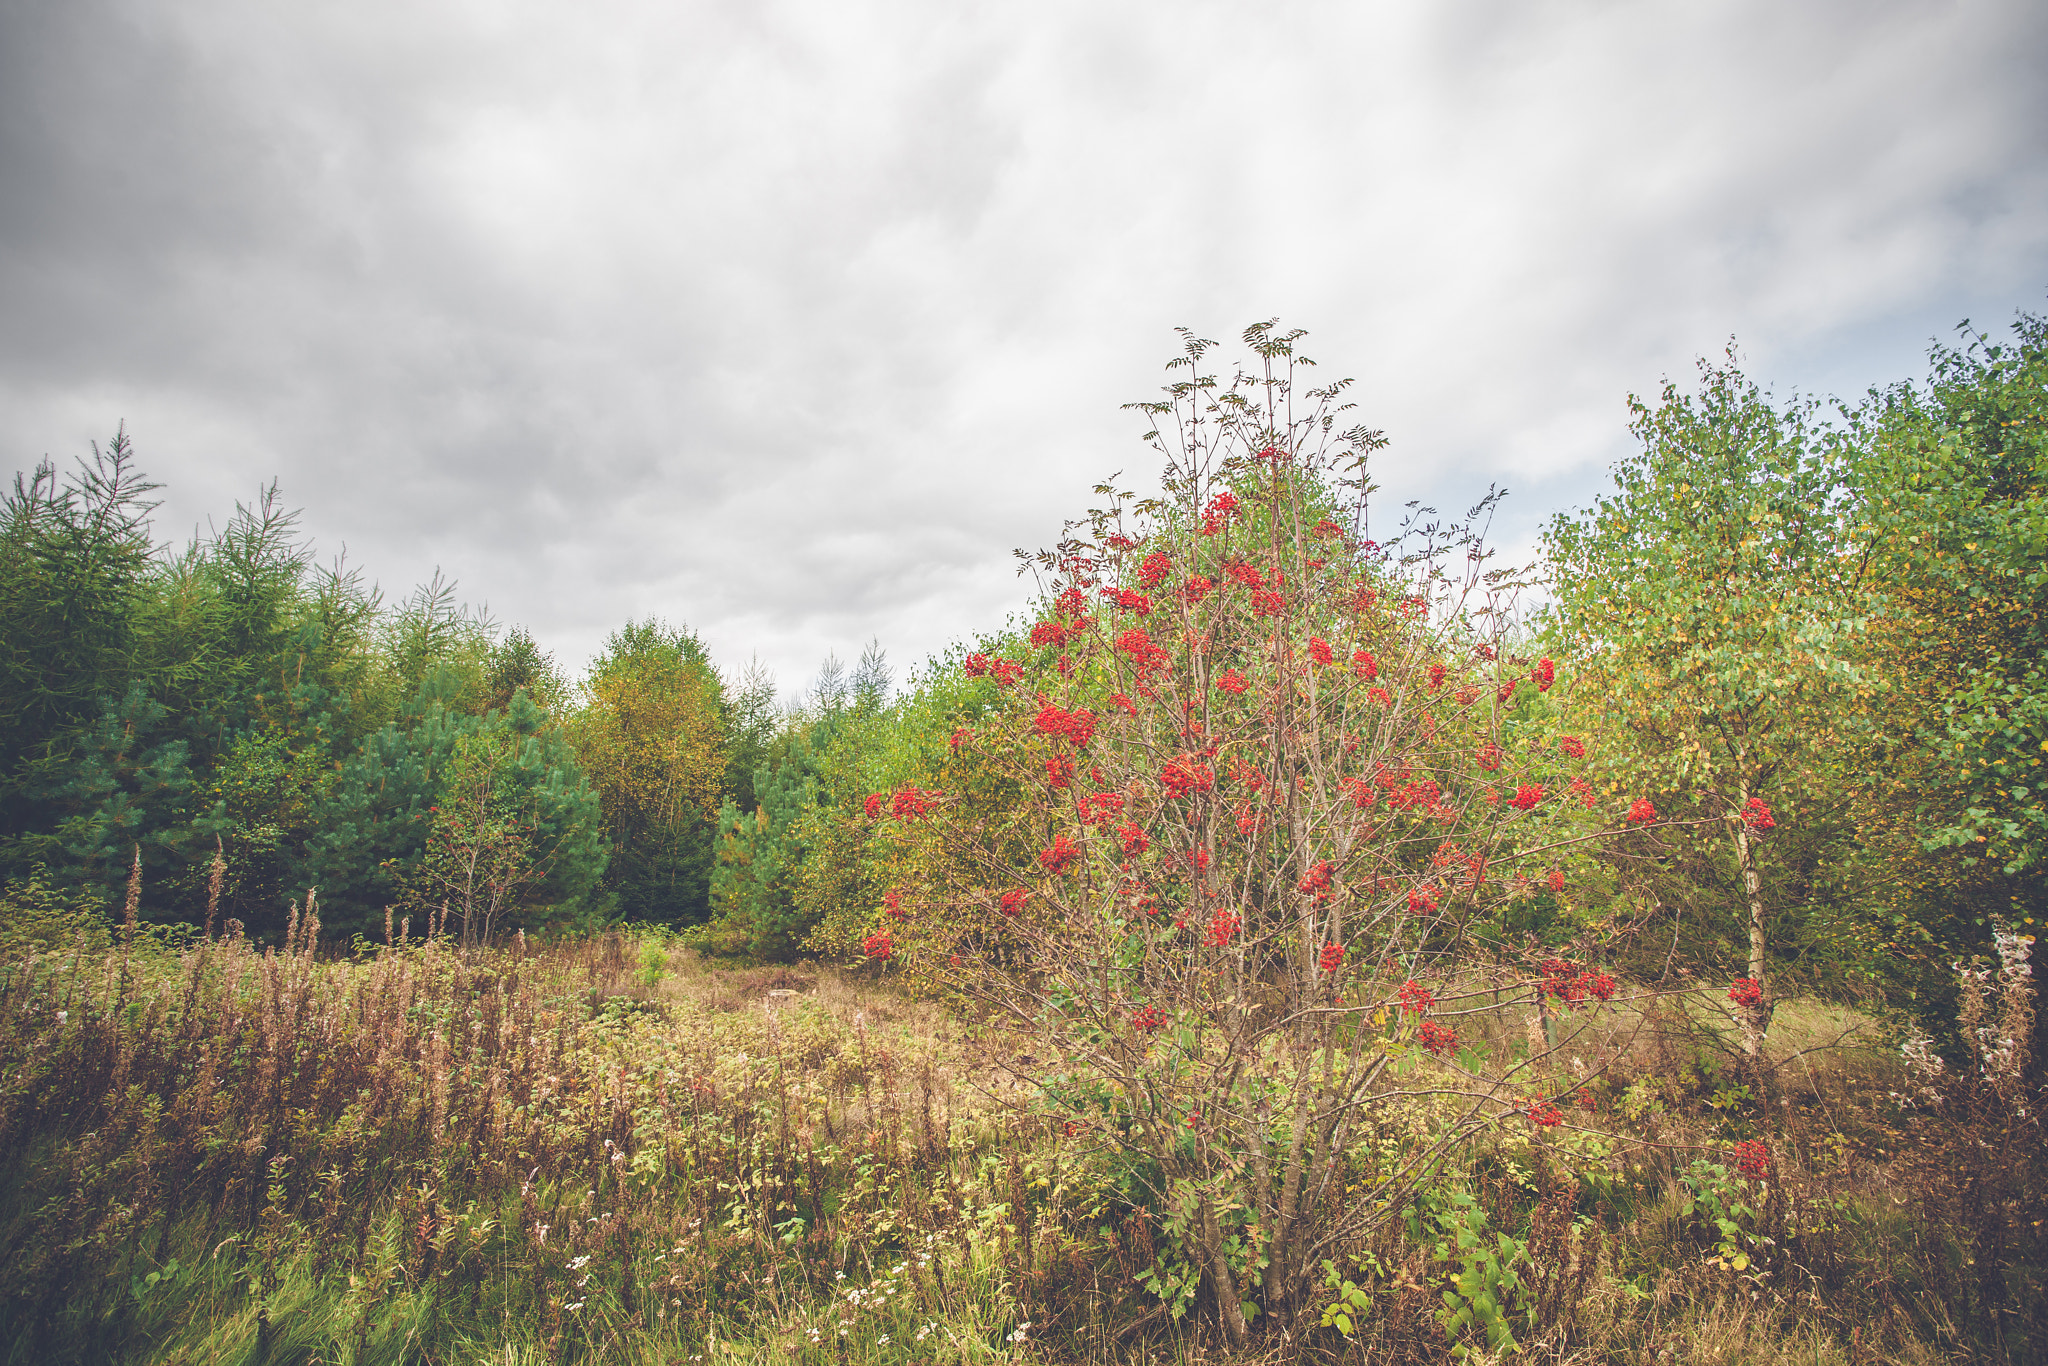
{"points": [[752, 721], [517, 663], [371, 823], [74, 557], [753, 886]]}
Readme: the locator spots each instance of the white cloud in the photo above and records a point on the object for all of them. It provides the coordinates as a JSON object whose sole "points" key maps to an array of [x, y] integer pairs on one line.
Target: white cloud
{"points": [[790, 320]]}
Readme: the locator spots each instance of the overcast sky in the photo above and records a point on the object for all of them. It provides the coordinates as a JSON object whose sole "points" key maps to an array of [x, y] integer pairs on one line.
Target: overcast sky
{"points": [[789, 320]]}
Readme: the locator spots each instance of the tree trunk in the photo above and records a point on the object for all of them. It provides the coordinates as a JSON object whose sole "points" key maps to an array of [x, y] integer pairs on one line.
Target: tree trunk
{"points": [[1756, 1018], [1227, 1307]]}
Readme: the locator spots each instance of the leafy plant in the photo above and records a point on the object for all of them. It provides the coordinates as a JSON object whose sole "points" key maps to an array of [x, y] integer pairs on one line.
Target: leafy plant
{"points": [[1486, 1297], [1230, 821]]}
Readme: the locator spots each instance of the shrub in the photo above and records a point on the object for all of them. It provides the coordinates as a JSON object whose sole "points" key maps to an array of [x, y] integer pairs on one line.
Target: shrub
{"points": [[1193, 848]]}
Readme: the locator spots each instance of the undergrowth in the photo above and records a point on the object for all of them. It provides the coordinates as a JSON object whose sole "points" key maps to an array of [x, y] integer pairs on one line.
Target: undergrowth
{"points": [[601, 1150]]}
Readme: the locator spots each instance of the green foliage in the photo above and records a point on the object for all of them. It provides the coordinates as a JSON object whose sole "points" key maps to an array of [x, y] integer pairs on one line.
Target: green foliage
{"points": [[1952, 482], [37, 916], [1716, 1200], [850, 861], [752, 723], [1350, 1302], [517, 664], [132, 785], [496, 835], [1716, 602], [372, 821], [74, 560], [651, 735], [1486, 1298], [752, 892]]}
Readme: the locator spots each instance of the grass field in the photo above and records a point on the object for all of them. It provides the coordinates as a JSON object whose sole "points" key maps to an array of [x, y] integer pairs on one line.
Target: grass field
{"points": [[606, 1150]]}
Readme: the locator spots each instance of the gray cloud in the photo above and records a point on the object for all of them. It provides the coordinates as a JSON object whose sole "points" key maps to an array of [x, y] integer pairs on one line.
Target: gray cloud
{"points": [[789, 320]]}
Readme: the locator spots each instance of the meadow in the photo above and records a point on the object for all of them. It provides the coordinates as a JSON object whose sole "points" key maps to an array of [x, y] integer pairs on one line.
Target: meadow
{"points": [[1299, 938], [605, 1149]]}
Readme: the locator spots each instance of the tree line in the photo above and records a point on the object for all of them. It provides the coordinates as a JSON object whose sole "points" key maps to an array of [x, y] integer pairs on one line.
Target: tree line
{"points": [[228, 725], [1826, 612]]}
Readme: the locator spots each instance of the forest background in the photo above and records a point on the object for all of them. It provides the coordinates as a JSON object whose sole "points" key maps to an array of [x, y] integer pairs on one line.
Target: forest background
{"points": [[1832, 607], [347, 1019]]}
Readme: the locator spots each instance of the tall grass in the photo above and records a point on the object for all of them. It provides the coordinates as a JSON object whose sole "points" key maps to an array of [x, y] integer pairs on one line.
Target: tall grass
{"points": [[602, 1150], [556, 1153]]}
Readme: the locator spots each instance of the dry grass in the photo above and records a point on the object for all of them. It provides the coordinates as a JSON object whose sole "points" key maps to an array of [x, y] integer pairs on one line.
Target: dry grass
{"points": [[610, 1150]]}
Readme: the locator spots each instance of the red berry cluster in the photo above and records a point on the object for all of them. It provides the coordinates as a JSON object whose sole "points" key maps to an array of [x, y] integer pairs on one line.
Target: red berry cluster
{"points": [[1221, 509], [1099, 809], [1757, 815], [1061, 855], [1232, 682], [1436, 1039], [1331, 958], [1004, 671], [1642, 813], [878, 945], [1013, 900], [1752, 1159], [1076, 727], [1416, 999], [1316, 882], [1319, 650], [1052, 634], [1526, 797], [1573, 746], [1223, 927], [1144, 652], [1747, 992], [1420, 795], [1145, 1019], [1185, 775], [910, 803], [1570, 983]]}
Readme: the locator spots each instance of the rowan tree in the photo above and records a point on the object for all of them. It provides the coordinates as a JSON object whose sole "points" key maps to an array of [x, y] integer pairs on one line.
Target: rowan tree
{"points": [[1237, 822]]}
